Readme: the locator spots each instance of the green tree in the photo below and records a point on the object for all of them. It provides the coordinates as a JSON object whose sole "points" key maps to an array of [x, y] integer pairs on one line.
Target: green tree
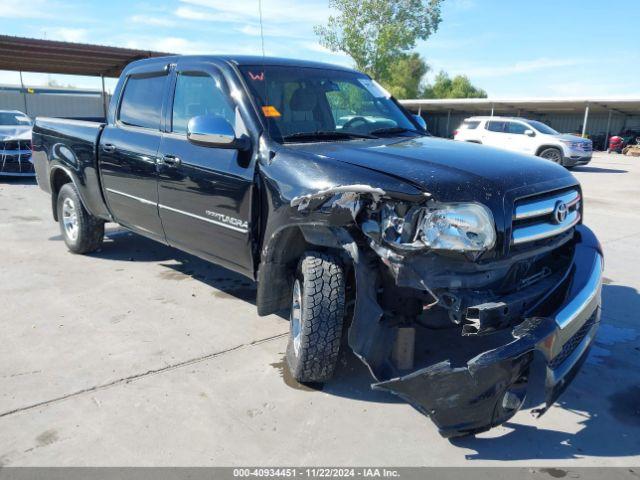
{"points": [[458, 87], [375, 33], [404, 75]]}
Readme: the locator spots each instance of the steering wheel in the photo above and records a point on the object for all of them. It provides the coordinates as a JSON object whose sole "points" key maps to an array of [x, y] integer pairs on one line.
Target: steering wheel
{"points": [[352, 121]]}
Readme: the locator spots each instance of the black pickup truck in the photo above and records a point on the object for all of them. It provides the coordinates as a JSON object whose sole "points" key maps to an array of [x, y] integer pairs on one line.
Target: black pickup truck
{"points": [[461, 275]]}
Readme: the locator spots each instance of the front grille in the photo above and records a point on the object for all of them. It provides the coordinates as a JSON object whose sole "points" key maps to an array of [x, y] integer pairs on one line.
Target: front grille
{"points": [[573, 342], [15, 157], [585, 147], [545, 216]]}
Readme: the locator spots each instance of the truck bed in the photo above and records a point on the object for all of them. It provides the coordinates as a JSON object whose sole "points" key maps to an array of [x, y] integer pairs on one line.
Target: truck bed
{"points": [[70, 146]]}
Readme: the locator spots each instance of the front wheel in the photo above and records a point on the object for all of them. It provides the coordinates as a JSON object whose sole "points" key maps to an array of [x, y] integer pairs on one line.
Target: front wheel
{"points": [[317, 313], [81, 231], [552, 154]]}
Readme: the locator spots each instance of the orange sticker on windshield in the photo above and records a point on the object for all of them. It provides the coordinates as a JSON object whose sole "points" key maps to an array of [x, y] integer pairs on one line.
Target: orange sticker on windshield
{"points": [[270, 111]]}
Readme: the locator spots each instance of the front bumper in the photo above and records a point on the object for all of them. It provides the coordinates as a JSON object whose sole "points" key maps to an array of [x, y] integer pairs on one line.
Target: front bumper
{"points": [[16, 163], [576, 158], [535, 360]]}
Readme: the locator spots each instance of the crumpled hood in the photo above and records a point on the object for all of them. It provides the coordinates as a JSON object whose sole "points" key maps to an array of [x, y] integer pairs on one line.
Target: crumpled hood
{"points": [[449, 170], [13, 132]]}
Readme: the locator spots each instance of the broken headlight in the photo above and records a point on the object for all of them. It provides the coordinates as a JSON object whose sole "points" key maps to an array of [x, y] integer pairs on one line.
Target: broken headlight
{"points": [[465, 227], [462, 227]]}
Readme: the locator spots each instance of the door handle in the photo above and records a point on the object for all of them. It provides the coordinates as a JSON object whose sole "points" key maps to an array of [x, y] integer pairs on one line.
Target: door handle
{"points": [[171, 161], [108, 148]]}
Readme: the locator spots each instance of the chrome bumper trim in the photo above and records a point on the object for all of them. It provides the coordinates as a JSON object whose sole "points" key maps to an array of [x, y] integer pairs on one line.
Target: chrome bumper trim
{"points": [[584, 297]]}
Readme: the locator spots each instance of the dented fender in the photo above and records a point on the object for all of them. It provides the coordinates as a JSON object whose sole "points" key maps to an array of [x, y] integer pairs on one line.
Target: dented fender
{"points": [[466, 384]]}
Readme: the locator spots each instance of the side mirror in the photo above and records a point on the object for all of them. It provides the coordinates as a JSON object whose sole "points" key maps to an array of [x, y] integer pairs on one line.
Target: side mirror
{"points": [[213, 131], [529, 133], [420, 121]]}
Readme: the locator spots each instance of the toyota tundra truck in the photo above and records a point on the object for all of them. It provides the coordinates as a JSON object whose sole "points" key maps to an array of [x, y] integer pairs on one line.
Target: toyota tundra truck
{"points": [[461, 275]]}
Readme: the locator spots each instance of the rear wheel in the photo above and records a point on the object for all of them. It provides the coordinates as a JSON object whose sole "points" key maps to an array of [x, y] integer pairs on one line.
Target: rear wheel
{"points": [[552, 154], [317, 313], [81, 231]]}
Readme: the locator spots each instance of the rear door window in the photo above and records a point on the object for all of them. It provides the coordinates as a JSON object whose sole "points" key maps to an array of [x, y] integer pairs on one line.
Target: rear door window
{"points": [[141, 104], [494, 126], [470, 124]]}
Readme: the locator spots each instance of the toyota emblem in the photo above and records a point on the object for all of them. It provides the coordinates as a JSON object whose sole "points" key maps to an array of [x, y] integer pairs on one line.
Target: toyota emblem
{"points": [[560, 212]]}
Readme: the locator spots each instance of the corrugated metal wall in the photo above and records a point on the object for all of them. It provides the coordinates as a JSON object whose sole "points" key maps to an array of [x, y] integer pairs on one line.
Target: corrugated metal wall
{"points": [[53, 105]]}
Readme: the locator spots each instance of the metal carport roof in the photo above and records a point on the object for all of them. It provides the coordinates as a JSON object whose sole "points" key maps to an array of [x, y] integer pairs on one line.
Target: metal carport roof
{"points": [[625, 106], [47, 56]]}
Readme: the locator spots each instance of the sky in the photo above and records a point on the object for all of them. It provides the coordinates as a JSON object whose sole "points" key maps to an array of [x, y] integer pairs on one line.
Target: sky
{"points": [[510, 48]]}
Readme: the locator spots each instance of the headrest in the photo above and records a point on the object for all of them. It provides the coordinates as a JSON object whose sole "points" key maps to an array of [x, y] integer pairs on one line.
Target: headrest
{"points": [[304, 99]]}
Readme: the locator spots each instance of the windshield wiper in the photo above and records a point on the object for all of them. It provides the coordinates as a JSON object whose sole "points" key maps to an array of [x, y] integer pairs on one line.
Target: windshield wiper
{"points": [[325, 135], [394, 131]]}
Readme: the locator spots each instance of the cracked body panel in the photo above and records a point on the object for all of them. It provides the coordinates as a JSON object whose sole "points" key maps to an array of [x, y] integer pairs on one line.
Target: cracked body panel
{"points": [[499, 347]]}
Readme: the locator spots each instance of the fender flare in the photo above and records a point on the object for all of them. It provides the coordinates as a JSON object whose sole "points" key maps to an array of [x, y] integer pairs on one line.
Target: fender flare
{"points": [[279, 258], [54, 191]]}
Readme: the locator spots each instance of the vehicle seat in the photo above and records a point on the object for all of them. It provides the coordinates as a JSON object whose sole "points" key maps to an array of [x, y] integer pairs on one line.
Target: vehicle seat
{"points": [[300, 116]]}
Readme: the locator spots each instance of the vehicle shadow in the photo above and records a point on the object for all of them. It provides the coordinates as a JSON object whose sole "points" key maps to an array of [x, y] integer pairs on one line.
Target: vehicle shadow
{"points": [[352, 378], [18, 180], [613, 413], [122, 245], [598, 170]]}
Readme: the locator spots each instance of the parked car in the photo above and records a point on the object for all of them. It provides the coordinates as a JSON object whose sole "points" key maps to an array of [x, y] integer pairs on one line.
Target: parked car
{"points": [[526, 136], [15, 144], [462, 275]]}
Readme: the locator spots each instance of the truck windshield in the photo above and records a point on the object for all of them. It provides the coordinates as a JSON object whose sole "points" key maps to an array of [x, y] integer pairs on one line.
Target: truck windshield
{"points": [[14, 119], [312, 104]]}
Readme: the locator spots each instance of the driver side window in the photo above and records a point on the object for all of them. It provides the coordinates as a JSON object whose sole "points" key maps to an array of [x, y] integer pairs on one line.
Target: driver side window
{"points": [[516, 128], [198, 93]]}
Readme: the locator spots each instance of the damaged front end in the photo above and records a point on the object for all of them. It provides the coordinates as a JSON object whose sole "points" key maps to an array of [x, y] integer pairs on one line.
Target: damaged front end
{"points": [[463, 324]]}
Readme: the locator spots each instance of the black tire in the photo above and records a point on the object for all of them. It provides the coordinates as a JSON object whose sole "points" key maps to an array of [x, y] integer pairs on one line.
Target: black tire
{"points": [[314, 339], [87, 233], [553, 154]]}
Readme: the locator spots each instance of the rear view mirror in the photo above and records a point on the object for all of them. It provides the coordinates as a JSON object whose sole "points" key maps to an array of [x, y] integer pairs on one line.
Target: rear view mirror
{"points": [[420, 121], [214, 131], [529, 133]]}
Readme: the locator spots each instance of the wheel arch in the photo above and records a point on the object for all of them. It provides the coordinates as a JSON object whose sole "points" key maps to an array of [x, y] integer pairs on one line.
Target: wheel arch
{"points": [[59, 176], [542, 148], [279, 259]]}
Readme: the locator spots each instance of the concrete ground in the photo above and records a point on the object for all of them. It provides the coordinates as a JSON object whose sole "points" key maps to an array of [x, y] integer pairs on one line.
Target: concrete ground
{"points": [[142, 355]]}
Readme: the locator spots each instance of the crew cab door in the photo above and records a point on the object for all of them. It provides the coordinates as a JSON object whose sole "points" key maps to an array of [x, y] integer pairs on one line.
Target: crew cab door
{"points": [[127, 153], [494, 134], [517, 138], [205, 193]]}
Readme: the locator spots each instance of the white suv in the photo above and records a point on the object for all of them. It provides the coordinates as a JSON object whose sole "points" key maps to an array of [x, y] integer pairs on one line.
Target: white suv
{"points": [[526, 136]]}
